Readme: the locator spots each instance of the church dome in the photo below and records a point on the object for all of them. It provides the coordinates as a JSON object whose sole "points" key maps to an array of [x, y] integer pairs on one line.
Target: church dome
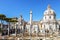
{"points": [[49, 11]]}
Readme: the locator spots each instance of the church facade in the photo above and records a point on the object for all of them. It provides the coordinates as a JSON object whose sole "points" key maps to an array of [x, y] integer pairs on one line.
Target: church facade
{"points": [[49, 26]]}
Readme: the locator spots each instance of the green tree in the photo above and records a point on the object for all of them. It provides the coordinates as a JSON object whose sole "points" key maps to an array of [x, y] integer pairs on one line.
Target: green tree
{"points": [[14, 21], [8, 20], [2, 17]]}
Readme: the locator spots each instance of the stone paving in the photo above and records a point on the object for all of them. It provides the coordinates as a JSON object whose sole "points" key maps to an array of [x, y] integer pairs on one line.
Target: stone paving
{"points": [[28, 38], [34, 37]]}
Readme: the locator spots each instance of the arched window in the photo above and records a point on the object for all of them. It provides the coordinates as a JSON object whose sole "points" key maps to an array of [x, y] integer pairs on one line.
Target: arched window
{"points": [[45, 17], [49, 17], [44, 26], [40, 39], [59, 27]]}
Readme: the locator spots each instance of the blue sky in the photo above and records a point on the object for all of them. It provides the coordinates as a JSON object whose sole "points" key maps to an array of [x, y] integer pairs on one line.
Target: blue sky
{"points": [[13, 8]]}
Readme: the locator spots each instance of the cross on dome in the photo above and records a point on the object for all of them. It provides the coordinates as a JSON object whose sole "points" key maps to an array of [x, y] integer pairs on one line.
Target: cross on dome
{"points": [[48, 7]]}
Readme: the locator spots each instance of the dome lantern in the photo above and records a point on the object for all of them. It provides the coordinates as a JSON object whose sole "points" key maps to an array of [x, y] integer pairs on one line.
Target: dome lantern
{"points": [[49, 11]]}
